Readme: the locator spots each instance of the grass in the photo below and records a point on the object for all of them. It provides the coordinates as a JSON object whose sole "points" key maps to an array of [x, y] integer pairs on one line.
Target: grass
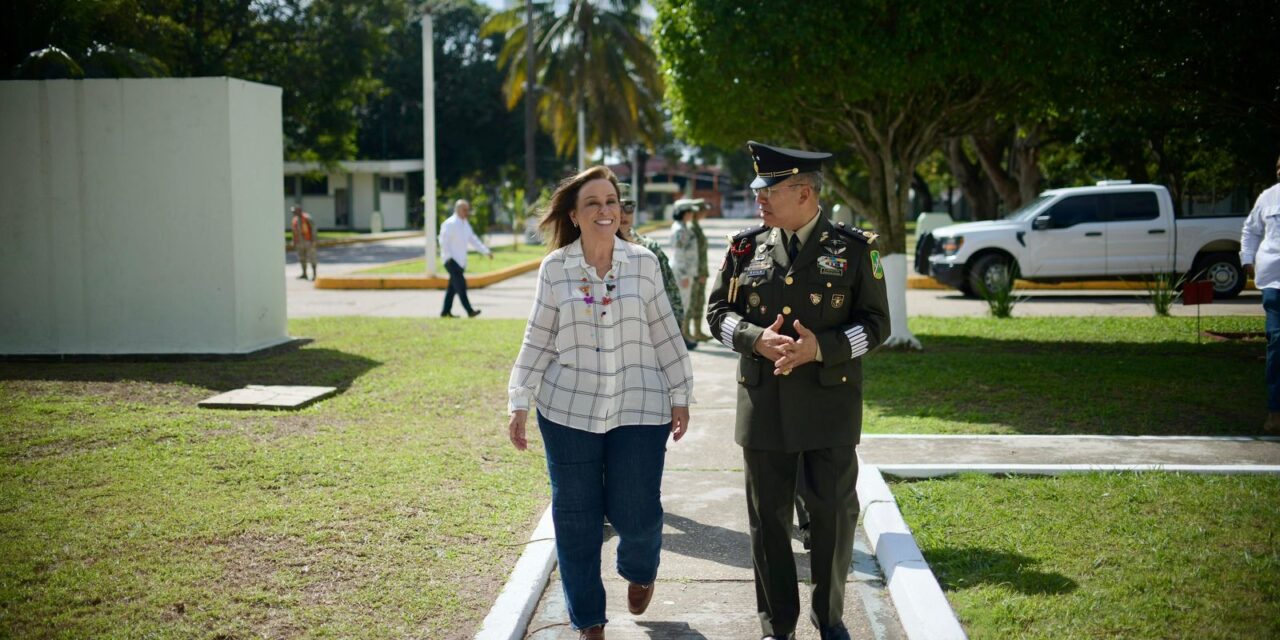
{"points": [[503, 257], [395, 509], [1068, 375], [1132, 556], [325, 235]]}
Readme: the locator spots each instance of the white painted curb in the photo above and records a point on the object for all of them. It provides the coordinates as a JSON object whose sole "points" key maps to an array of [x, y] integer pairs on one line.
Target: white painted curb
{"points": [[936, 470], [922, 608], [509, 616]]}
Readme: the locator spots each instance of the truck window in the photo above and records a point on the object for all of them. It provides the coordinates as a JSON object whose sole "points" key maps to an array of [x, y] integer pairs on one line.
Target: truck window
{"points": [[1136, 205], [1074, 210]]}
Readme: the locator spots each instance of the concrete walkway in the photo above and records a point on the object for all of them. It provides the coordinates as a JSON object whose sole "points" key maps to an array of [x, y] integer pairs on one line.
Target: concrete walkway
{"points": [[705, 587]]}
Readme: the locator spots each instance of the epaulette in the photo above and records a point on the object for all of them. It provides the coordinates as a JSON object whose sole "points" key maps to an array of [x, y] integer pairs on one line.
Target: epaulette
{"points": [[747, 233], [856, 233]]}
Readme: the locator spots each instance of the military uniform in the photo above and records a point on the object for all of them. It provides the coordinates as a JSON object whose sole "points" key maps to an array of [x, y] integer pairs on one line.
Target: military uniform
{"points": [[835, 287], [698, 298]]}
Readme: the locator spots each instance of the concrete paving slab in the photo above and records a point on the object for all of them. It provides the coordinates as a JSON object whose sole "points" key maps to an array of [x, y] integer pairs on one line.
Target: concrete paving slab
{"points": [[268, 397], [1096, 450], [722, 608]]}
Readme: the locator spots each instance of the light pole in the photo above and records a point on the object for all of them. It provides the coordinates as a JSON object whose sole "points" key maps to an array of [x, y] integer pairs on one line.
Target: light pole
{"points": [[429, 140]]}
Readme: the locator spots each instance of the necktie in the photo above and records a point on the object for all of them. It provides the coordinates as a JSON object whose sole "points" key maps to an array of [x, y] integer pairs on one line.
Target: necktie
{"points": [[793, 247]]}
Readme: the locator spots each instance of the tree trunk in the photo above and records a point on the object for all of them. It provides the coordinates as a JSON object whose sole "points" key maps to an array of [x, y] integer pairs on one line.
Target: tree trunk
{"points": [[530, 123], [1025, 161], [973, 182], [640, 159], [922, 192]]}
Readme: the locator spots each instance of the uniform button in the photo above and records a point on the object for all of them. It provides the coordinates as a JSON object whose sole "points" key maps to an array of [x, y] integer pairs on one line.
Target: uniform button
{"points": [[789, 280], [844, 379], [828, 285], [786, 311]]}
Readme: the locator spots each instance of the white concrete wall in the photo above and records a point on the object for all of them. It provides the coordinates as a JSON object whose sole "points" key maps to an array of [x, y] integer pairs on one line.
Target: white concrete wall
{"points": [[361, 199], [320, 208], [393, 211], [138, 216]]}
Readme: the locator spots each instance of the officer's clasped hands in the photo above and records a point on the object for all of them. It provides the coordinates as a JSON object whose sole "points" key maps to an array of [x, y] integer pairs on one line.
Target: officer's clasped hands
{"points": [[801, 351], [771, 344]]}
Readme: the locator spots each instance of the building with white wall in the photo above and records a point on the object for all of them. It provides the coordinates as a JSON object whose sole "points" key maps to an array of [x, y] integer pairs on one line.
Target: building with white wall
{"points": [[139, 217], [345, 196]]}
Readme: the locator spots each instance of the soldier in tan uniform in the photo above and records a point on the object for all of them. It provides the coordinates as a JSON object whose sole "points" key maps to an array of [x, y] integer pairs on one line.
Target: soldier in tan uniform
{"points": [[801, 301]]}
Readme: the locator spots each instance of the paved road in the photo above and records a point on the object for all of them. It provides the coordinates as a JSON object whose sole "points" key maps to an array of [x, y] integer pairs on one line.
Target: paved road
{"points": [[512, 298]]}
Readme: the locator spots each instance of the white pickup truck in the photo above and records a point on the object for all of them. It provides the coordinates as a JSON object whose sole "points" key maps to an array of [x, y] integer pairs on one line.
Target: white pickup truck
{"points": [[1115, 230]]}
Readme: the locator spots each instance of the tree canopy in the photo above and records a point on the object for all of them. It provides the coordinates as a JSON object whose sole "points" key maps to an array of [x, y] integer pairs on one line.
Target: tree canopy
{"points": [[593, 60]]}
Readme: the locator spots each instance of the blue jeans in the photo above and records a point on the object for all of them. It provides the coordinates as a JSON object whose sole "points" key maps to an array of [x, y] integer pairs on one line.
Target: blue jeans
{"points": [[616, 474], [1271, 304]]}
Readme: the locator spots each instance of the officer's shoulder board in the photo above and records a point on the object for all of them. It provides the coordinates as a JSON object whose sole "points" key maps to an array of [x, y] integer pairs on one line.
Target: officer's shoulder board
{"points": [[866, 237], [748, 233]]}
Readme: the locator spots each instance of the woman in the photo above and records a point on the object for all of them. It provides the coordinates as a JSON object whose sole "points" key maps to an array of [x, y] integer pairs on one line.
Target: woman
{"points": [[627, 232], [604, 359]]}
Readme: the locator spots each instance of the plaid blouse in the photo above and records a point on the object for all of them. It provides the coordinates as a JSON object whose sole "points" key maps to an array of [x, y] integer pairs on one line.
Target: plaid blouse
{"points": [[601, 353]]}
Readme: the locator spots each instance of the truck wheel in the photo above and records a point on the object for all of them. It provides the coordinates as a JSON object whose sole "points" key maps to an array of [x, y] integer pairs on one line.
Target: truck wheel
{"points": [[989, 273], [1224, 271]]}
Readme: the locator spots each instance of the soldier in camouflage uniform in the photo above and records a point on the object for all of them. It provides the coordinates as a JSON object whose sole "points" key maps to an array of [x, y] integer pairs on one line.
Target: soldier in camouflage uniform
{"points": [[627, 230], [698, 297], [801, 301]]}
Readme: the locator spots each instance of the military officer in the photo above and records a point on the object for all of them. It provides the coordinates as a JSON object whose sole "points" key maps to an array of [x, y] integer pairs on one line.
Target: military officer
{"points": [[801, 301]]}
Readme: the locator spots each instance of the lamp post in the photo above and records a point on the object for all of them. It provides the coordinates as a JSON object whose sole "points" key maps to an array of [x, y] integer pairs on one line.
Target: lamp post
{"points": [[429, 141]]}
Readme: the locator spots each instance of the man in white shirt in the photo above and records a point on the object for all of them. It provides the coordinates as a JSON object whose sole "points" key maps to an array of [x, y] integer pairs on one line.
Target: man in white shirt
{"points": [[1260, 256], [456, 237]]}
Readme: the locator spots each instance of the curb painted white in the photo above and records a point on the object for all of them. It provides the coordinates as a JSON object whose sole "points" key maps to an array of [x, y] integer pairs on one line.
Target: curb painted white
{"points": [[509, 616], [922, 608], [1038, 436], [935, 470]]}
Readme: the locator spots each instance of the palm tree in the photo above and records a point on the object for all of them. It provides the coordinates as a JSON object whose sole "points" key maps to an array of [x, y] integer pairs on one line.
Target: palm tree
{"points": [[595, 69]]}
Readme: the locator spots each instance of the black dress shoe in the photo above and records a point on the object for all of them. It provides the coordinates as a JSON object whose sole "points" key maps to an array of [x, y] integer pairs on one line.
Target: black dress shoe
{"points": [[690, 345], [472, 314], [445, 314], [836, 632]]}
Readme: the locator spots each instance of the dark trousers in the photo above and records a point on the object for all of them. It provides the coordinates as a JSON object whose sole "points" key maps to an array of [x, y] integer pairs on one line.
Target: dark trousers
{"points": [[830, 479], [1271, 305], [457, 286], [618, 475]]}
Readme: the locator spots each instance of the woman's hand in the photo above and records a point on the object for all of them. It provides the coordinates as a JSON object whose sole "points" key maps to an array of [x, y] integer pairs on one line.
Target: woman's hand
{"points": [[679, 422], [515, 429]]}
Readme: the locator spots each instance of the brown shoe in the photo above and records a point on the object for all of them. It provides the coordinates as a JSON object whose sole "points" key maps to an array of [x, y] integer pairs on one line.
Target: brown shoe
{"points": [[1272, 425], [592, 633], [638, 597]]}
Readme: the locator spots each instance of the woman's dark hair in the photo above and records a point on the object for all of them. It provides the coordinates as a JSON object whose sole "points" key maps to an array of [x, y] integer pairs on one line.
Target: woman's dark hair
{"points": [[556, 226]]}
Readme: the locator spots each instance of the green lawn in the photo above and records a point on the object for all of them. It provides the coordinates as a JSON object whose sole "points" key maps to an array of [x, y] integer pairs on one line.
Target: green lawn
{"points": [[1132, 556], [503, 257], [325, 235], [1068, 375], [395, 509]]}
